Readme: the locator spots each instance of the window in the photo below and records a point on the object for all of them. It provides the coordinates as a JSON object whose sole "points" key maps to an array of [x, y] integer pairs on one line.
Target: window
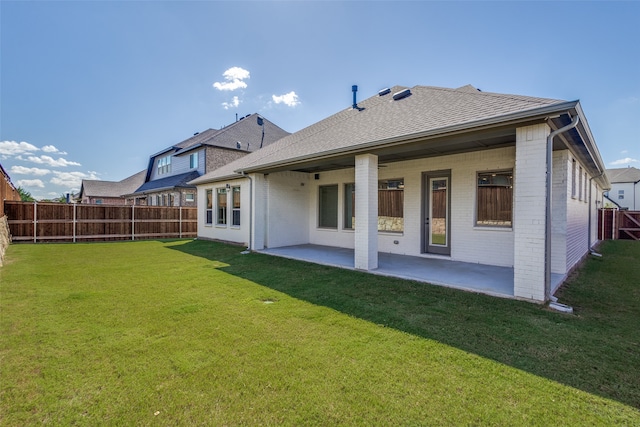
{"points": [[235, 209], [158, 200], [221, 205], [573, 178], [98, 201], [193, 160], [209, 209], [580, 183], [328, 206], [189, 197], [164, 165], [586, 184], [391, 205], [349, 206], [620, 194], [495, 199]]}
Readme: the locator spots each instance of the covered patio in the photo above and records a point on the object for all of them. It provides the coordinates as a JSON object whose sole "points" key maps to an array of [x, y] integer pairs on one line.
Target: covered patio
{"points": [[486, 279]]}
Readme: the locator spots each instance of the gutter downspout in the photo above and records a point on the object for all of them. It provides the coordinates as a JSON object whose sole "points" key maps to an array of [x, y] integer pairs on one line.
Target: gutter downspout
{"points": [[251, 199], [592, 252], [549, 183]]}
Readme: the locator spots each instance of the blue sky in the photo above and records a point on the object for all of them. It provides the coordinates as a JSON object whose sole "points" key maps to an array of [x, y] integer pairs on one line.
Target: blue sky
{"points": [[92, 89]]}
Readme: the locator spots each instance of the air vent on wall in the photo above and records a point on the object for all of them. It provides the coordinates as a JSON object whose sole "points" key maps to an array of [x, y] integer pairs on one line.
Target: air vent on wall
{"points": [[401, 94]]}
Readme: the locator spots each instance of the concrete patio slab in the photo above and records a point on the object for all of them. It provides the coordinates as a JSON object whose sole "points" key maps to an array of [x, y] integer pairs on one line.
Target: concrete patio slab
{"points": [[487, 279]]}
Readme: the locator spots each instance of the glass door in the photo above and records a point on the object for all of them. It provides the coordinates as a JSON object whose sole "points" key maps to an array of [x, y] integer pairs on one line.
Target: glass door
{"points": [[436, 215]]}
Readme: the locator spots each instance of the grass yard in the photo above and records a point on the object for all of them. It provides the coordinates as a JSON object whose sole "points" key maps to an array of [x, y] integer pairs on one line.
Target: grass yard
{"points": [[193, 332]]}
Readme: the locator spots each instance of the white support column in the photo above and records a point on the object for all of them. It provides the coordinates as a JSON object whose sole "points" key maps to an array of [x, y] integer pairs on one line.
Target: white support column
{"points": [[366, 232], [258, 214], [529, 212]]}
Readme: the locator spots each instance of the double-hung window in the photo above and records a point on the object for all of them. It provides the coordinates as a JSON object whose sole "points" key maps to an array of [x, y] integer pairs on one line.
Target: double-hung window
{"points": [[235, 209], [221, 206], [209, 209], [193, 160], [164, 165], [494, 199]]}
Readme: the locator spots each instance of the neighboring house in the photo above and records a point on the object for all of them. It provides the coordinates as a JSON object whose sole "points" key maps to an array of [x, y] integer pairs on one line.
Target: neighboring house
{"points": [[453, 174], [625, 187], [170, 170], [95, 192]]}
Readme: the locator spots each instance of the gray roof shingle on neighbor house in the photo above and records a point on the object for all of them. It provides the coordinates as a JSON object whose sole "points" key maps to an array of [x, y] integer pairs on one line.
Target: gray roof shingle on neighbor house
{"points": [[381, 120], [247, 131], [97, 188], [619, 175], [175, 181]]}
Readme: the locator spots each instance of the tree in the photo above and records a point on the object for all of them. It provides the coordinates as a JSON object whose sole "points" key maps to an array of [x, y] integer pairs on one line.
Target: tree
{"points": [[25, 196]]}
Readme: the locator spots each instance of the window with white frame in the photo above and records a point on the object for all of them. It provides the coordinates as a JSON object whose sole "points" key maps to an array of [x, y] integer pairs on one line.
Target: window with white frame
{"points": [[580, 183], [586, 185], [164, 165], [193, 160], [235, 207], [391, 205], [208, 212], [189, 197], [620, 194], [328, 206], [573, 178], [494, 198], [349, 206], [221, 206]]}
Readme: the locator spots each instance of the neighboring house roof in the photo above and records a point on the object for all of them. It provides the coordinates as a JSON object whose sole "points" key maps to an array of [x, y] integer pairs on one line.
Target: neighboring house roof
{"points": [[175, 181], [97, 188], [246, 134], [398, 127], [620, 175]]}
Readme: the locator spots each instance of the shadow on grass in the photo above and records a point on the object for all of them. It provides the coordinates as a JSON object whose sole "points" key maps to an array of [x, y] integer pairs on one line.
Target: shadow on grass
{"points": [[596, 350]]}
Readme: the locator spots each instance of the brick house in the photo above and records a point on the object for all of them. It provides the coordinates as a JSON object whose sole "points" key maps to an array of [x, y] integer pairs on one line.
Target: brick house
{"points": [[166, 182], [96, 192], [437, 173]]}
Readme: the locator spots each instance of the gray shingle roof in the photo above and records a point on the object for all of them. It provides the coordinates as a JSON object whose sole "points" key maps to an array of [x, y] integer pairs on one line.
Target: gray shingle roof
{"points": [[247, 131], [96, 188], [175, 181], [629, 174], [383, 120]]}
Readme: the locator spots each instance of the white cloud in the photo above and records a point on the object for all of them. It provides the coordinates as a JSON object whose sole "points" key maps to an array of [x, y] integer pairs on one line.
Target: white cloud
{"points": [[50, 161], [13, 148], [71, 179], [289, 99], [624, 161], [234, 79], [21, 170], [52, 149], [624, 151], [234, 103], [30, 183]]}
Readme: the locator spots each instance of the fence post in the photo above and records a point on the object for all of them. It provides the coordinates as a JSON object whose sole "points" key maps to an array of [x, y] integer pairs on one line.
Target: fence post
{"points": [[133, 221], [35, 222], [74, 222], [180, 233]]}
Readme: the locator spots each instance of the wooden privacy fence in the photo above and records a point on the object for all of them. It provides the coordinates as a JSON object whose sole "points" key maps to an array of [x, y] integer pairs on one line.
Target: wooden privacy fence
{"points": [[45, 222], [616, 224]]}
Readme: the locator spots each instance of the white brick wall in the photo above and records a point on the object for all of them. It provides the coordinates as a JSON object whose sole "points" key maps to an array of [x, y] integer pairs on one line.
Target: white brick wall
{"points": [[225, 232], [366, 207], [530, 212], [287, 209], [468, 242]]}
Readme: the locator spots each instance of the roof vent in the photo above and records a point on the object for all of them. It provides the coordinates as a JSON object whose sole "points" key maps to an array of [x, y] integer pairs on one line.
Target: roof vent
{"points": [[384, 91], [238, 145], [401, 94], [196, 133]]}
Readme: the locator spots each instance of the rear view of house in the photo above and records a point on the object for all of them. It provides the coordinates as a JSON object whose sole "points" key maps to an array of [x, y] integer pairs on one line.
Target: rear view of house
{"points": [[436, 173]]}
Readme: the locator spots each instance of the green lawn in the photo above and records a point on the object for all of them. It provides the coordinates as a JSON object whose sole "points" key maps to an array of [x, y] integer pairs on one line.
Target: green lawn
{"points": [[193, 332]]}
